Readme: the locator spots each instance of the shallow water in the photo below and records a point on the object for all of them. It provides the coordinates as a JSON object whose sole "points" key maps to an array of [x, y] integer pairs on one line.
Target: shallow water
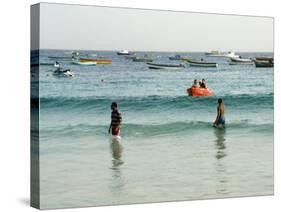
{"points": [[168, 151]]}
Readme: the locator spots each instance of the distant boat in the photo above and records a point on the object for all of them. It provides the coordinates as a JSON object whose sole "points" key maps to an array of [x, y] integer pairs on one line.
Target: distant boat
{"points": [[63, 73], [265, 58], [89, 63], [56, 65], [221, 54], [164, 66], [98, 61], [123, 52], [264, 63], [241, 63], [60, 57], [142, 59], [176, 57], [241, 60], [202, 64]]}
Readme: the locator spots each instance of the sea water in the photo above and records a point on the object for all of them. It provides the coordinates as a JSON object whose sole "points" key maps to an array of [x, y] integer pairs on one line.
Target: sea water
{"points": [[169, 149]]}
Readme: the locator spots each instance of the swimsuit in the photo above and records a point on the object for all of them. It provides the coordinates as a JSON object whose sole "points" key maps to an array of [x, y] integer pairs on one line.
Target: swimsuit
{"points": [[115, 131], [221, 120]]}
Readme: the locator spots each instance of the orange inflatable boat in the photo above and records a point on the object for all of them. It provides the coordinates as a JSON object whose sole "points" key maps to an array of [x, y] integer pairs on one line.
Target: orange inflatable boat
{"points": [[195, 91]]}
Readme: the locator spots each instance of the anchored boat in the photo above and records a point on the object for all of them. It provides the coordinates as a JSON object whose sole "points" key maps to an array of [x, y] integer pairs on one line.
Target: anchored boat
{"points": [[264, 64], [202, 64], [89, 63], [164, 66], [63, 73], [98, 61], [123, 52], [221, 54], [241, 60], [241, 63]]}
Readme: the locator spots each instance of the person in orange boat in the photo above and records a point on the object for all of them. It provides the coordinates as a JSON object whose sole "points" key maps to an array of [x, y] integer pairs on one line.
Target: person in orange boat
{"points": [[195, 84], [203, 84]]}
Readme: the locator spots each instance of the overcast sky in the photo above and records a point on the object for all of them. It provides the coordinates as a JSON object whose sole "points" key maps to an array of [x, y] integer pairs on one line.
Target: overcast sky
{"points": [[102, 28]]}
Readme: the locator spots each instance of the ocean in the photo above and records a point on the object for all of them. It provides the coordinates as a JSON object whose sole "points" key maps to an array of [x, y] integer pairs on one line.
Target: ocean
{"points": [[169, 150]]}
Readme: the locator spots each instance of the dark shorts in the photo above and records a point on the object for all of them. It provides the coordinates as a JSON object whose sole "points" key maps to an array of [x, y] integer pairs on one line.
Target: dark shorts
{"points": [[115, 131], [221, 121]]}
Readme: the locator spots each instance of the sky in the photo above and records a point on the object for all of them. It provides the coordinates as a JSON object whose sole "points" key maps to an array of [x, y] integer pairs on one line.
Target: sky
{"points": [[79, 27]]}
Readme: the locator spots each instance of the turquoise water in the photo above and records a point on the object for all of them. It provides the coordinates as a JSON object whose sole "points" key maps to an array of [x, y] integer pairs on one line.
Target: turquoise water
{"points": [[168, 151]]}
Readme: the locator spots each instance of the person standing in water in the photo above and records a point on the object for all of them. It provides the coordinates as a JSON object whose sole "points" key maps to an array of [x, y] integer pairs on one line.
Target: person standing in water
{"points": [[220, 119], [116, 120]]}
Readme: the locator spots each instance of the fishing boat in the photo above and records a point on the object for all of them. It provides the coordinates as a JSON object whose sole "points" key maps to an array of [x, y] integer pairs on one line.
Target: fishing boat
{"points": [[221, 54], [88, 63], [164, 66], [241, 63], [265, 58], [63, 73], [196, 91], [176, 57], [123, 52], [59, 57], [142, 59], [264, 63], [194, 63], [98, 61]]}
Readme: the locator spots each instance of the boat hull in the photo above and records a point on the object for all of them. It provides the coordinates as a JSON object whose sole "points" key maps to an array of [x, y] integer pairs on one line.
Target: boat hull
{"points": [[241, 63], [264, 64], [203, 64], [195, 91], [164, 66], [241, 60], [98, 61], [84, 63]]}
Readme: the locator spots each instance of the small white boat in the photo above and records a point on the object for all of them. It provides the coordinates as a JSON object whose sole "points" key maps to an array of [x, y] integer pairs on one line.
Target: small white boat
{"points": [[221, 54], [56, 65], [123, 52], [63, 73], [86, 63], [241, 60]]}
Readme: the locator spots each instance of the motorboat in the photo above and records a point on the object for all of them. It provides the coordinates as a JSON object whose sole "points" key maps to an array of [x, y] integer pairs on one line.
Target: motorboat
{"points": [[63, 73], [123, 52], [221, 54], [241, 60]]}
